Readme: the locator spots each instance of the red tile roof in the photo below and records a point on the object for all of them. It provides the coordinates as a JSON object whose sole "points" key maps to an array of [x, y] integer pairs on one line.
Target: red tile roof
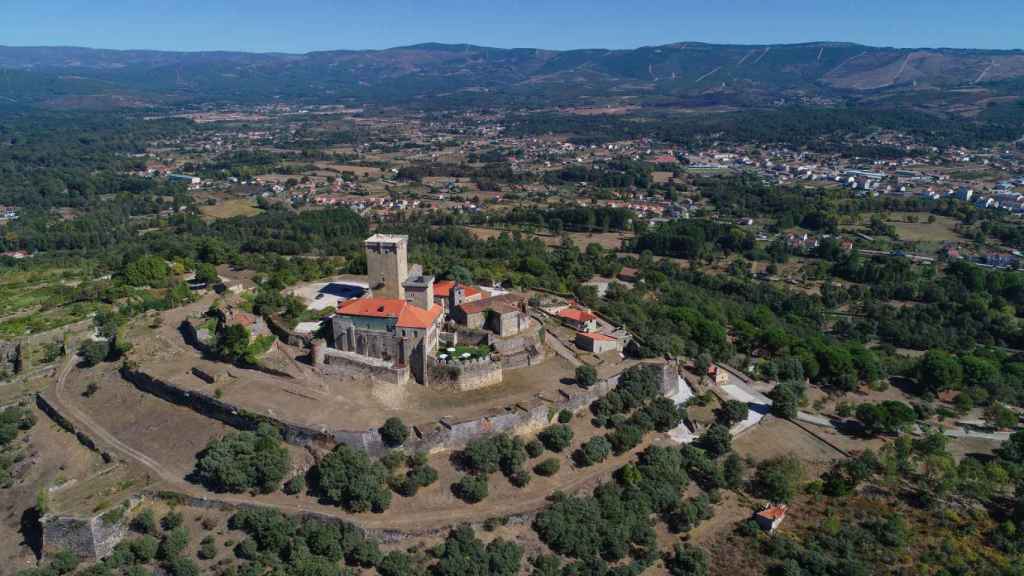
{"points": [[408, 316], [773, 512], [444, 289], [576, 315], [595, 336]]}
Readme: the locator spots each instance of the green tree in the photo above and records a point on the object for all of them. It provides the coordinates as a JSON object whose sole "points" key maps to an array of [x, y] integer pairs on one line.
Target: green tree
{"points": [[206, 273], [242, 461], [556, 438], [471, 488], [586, 376], [786, 399], [939, 370], [686, 560], [145, 271], [778, 479], [732, 412], [593, 451], [348, 477], [94, 351], [716, 440], [394, 432]]}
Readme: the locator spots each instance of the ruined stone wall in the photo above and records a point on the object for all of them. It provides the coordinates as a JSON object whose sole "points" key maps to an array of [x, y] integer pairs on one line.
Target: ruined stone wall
{"points": [[465, 375], [351, 365], [50, 410], [89, 538], [279, 328]]}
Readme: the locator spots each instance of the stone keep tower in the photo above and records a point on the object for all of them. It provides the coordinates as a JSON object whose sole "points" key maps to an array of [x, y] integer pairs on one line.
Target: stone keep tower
{"points": [[387, 265]]}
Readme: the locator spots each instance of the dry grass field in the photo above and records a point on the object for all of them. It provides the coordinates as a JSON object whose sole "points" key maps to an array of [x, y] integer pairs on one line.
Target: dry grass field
{"points": [[230, 209], [941, 230]]}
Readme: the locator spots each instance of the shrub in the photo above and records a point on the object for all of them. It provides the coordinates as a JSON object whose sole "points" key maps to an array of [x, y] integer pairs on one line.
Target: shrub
{"points": [[777, 479], [144, 548], [296, 485], [471, 488], [534, 448], [586, 376], [394, 432], [64, 562], [207, 549], [556, 438], [548, 467], [593, 451], [144, 522], [171, 520], [173, 543], [564, 416], [519, 477]]}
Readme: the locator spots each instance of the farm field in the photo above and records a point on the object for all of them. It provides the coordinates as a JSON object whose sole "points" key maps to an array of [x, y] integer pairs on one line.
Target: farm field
{"points": [[230, 209]]}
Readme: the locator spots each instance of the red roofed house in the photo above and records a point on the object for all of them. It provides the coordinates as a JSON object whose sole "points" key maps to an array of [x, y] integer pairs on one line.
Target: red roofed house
{"points": [[770, 517], [447, 291], [578, 319], [597, 343]]}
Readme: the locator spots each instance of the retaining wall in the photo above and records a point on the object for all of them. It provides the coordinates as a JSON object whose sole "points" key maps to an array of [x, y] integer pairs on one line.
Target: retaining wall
{"points": [[430, 436], [50, 410]]}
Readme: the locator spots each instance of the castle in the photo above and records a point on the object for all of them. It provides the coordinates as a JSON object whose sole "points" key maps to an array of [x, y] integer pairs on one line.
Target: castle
{"points": [[395, 331], [399, 322]]}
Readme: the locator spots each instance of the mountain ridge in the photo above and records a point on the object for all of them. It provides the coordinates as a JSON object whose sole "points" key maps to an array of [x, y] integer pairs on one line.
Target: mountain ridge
{"points": [[738, 74]]}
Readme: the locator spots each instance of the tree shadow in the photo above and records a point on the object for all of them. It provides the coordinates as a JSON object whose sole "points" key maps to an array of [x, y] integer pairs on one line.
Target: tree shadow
{"points": [[32, 531]]}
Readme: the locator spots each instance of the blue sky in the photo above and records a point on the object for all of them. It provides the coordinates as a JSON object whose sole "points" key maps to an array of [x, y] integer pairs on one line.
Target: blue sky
{"points": [[304, 25]]}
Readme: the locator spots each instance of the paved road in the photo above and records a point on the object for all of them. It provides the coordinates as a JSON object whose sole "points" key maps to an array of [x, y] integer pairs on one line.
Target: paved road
{"points": [[738, 389]]}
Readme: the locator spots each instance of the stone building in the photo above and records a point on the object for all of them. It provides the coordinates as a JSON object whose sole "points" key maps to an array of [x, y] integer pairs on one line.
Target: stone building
{"points": [[447, 292], [597, 343], [504, 315], [398, 325], [387, 265]]}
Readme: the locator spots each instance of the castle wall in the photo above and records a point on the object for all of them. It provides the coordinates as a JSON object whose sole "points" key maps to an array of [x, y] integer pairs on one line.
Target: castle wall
{"points": [[430, 436]]}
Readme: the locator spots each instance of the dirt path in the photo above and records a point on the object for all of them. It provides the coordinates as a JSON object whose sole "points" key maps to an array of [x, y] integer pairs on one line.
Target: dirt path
{"points": [[98, 431], [443, 510]]}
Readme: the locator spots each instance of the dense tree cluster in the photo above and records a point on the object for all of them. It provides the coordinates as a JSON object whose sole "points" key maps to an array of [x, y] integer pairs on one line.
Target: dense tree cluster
{"points": [[244, 461]]}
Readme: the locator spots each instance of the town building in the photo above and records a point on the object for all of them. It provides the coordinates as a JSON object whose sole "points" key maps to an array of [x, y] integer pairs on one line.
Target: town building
{"points": [[504, 315], [578, 319], [597, 343], [770, 517]]}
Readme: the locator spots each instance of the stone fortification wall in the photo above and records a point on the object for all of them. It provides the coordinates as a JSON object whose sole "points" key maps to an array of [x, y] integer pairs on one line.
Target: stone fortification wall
{"points": [[465, 375], [89, 538], [429, 436], [279, 328]]}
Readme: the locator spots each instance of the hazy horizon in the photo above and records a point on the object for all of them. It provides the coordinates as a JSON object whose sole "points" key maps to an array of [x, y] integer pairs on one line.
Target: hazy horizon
{"points": [[303, 26]]}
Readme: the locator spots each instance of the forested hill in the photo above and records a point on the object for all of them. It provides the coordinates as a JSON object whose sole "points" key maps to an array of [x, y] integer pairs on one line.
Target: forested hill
{"points": [[687, 73]]}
